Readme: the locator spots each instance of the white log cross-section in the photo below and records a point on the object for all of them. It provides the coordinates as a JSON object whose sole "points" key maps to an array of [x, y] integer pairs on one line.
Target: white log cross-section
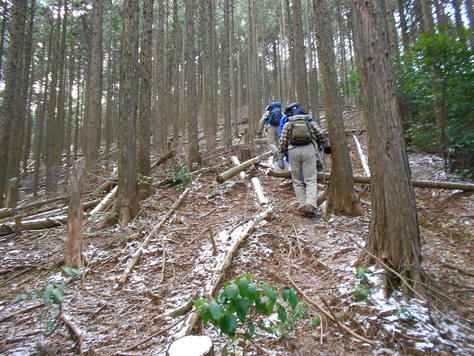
{"points": [[255, 182]]}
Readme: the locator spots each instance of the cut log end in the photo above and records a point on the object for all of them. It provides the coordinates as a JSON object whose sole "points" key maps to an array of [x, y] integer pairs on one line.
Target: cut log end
{"points": [[191, 345]]}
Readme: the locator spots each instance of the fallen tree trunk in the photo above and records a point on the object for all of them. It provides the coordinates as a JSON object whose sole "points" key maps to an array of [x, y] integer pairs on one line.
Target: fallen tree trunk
{"points": [[236, 238], [147, 240], [416, 183], [162, 159], [254, 181], [221, 178], [363, 159], [5, 212], [104, 203]]}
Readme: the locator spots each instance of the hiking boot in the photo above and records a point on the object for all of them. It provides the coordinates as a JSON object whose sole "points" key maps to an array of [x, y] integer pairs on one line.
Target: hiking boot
{"points": [[309, 212]]}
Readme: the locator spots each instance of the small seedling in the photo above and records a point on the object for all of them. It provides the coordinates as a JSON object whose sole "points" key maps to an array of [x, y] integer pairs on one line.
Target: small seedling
{"points": [[362, 289], [244, 306]]}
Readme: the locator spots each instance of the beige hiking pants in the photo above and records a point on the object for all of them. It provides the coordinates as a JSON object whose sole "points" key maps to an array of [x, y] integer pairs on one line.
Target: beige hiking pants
{"points": [[272, 138], [303, 165]]}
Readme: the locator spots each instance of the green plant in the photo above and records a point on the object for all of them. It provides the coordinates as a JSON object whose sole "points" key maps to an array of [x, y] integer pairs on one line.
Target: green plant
{"points": [[53, 296], [244, 305], [145, 180], [362, 289], [180, 176]]}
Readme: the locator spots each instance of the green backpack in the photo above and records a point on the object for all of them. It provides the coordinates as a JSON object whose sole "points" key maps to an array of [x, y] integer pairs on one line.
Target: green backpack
{"points": [[300, 132]]}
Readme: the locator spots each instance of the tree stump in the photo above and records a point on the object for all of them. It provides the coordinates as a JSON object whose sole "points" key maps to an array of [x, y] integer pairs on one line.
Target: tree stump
{"points": [[191, 345], [73, 256]]}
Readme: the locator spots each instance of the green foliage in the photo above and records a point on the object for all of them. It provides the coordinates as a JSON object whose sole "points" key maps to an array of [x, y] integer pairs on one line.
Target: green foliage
{"points": [[315, 321], [180, 176], [362, 289], [352, 88], [455, 62], [145, 180], [244, 304], [71, 271]]}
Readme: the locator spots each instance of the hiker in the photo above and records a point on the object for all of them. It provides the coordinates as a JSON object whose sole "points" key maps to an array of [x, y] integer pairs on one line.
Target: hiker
{"points": [[300, 136], [295, 109], [270, 121]]}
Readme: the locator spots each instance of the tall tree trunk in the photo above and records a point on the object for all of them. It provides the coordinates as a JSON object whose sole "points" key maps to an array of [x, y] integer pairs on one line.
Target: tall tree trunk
{"points": [[299, 56], [53, 154], [94, 107], [394, 233], [144, 119], [252, 92], [190, 88], [225, 70], [5, 11], [341, 196], [403, 25], [12, 92], [126, 205], [162, 112]]}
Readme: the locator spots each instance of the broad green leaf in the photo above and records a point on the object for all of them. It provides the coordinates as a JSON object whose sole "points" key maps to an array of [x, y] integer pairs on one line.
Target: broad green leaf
{"points": [[251, 327], [315, 321], [50, 325], [361, 273], [198, 303], [362, 291], [243, 306], [48, 294], [228, 324], [232, 291], [252, 291], [281, 312], [265, 328], [205, 313], [290, 296], [216, 310], [243, 285], [57, 295], [71, 271], [42, 314], [270, 293]]}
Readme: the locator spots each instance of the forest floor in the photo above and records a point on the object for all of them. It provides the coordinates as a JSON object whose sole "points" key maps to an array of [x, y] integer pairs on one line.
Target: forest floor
{"points": [[316, 256]]}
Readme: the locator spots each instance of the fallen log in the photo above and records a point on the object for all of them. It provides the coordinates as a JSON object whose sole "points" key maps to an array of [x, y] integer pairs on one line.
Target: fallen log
{"points": [[147, 240], [415, 183], [162, 159], [363, 159], [254, 181], [104, 203], [221, 178], [5, 212], [236, 238]]}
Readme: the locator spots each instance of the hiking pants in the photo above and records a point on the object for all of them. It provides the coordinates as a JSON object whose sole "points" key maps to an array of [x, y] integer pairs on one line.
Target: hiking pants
{"points": [[272, 138], [303, 164]]}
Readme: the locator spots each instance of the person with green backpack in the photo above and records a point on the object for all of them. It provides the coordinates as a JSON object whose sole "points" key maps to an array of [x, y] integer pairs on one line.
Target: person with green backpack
{"points": [[301, 136]]}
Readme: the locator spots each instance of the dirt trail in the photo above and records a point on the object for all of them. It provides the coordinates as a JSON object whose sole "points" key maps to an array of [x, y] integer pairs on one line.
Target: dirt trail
{"points": [[317, 255]]}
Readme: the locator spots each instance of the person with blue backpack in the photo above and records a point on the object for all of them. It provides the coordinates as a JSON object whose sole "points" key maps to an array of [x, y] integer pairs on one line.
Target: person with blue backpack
{"points": [[270, 121], [300, 136]]}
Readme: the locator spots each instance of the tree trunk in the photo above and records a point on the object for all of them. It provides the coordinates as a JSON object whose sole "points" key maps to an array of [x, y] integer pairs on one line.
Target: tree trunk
{"points": [[94, 104], [341, 196], [144, 119], [225, 77], [126, 205], [73, 256], [12, 90], [190, 76], [394, 233], [299, 56]]}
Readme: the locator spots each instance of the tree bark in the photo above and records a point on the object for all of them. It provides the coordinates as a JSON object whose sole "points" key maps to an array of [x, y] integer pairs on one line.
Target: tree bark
{"points": [[190, 76], [12, 90], [144, 119], [341, 196], [394, 232], [299, 56], [126, 205], [94, 107], [73, 256]]}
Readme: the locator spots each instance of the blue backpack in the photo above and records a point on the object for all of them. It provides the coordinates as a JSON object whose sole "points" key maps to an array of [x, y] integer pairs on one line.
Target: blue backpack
{"points": [[275, 114]]}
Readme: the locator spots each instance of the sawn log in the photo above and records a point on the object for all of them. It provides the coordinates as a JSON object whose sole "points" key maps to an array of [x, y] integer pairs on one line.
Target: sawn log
{"points": [[416, 183], [221, 178]]}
